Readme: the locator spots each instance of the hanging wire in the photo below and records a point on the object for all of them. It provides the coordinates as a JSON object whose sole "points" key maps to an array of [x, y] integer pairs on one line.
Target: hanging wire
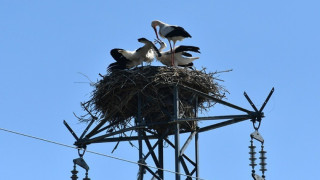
{"points": [[96, 153]]}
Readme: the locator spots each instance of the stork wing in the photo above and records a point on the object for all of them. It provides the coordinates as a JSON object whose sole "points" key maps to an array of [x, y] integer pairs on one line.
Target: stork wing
{"points": [[121, 60], [186, 54], [187, 48], [152, 45], [118, 66], [116, 55], [177, 31], [187, 65]]}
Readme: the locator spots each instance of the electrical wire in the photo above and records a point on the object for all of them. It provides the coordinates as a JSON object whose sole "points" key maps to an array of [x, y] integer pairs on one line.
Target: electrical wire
{"points": [[96, 153]]}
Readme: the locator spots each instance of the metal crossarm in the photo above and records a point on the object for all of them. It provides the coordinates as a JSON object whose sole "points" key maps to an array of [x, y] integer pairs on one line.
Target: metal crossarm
{"points": [[71, 131], [215, 99], [266, 101]]}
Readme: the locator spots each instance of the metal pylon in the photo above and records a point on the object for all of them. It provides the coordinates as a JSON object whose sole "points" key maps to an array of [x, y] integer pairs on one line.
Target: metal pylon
{"points": [[146, 137]]}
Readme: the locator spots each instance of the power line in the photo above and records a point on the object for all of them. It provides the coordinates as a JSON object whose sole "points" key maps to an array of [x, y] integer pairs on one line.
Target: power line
{"points": [[96, 153]]}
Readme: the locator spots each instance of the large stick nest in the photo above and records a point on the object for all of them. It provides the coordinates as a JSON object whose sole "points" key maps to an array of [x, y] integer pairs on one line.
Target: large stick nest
{"points": [[115, 97]]}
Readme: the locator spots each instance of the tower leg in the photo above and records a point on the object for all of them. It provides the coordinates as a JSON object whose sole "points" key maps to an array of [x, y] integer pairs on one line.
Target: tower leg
{"points": [[177, 131], [177, 151], [160, 156], [141, 158], [197, 154], [196, 139]]}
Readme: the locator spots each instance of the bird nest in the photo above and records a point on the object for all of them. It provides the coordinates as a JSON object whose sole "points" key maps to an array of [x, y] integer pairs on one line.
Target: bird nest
{"points": [[118, 96]]}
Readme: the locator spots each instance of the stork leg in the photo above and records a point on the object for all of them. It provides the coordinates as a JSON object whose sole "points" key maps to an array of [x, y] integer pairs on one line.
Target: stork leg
{"points": [[174, 44], [172, 54]]}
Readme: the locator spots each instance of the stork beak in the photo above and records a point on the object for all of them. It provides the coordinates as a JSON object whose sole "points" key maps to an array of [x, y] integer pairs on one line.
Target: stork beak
{"points": [[155, 30], [156, 41]]}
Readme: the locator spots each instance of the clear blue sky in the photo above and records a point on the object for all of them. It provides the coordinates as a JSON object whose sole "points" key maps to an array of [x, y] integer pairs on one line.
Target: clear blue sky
{"points": [[45, 44]]}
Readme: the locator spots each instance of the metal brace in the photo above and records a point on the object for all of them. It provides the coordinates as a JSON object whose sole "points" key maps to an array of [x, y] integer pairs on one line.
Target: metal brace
{"points": [[256, 135], [82, 163], [257, 177]]}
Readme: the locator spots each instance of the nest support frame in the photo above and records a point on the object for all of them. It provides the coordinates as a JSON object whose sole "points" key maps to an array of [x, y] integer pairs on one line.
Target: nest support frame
{"points": [[144, 134]]}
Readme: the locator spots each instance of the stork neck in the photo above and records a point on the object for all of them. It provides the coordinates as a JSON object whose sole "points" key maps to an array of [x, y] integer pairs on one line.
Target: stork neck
{"points": [[163, 46]]}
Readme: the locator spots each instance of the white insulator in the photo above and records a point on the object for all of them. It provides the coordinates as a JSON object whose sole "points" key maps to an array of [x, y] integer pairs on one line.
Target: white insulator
{"points": [[252, 155], [263, 160]]}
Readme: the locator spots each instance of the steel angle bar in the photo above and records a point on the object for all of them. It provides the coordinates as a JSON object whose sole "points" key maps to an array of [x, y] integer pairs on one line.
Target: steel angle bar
{"points": [[116, 139], [184, 147], [176, 130], [153, 147], [188, 159], [139, 122], [89, 125], [97, 129], [213, 118], [183, 155], [94, 130], [71, 131], [139, 109], [193, 171], [250, 102], [156, 123], [160, 157], [103, 129], [185, 168], [151, 150], [93, 140], [266, 101], [157, 143], [215, 99], [196, 140], [222, 124], [87, 128], [153, 173]]}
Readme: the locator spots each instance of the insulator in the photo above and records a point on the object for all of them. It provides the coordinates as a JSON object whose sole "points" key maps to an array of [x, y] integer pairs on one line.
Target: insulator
{"points": [[263, 160], [252, 155], [74, 173], [74, 177], [263, 170], [86, 178], [253, 165], [253, 171]]}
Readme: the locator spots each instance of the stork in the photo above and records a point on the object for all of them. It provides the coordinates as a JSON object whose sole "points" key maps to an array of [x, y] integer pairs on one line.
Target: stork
{"points": [[171, 33], [127, 59], [181, 56]]}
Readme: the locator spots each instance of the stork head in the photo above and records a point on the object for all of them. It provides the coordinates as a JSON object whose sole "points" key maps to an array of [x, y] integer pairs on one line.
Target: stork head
{"points": [[144, 40], [154, 25], [162, 44]]}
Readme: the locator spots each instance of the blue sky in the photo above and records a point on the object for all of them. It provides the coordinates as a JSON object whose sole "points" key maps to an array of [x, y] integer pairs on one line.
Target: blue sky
{"points": [[46, 45]]}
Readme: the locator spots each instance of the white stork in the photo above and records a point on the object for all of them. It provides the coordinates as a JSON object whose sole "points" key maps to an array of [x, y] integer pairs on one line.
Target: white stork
{"points": [[181, 55], [127, 59], [170, 32]]}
